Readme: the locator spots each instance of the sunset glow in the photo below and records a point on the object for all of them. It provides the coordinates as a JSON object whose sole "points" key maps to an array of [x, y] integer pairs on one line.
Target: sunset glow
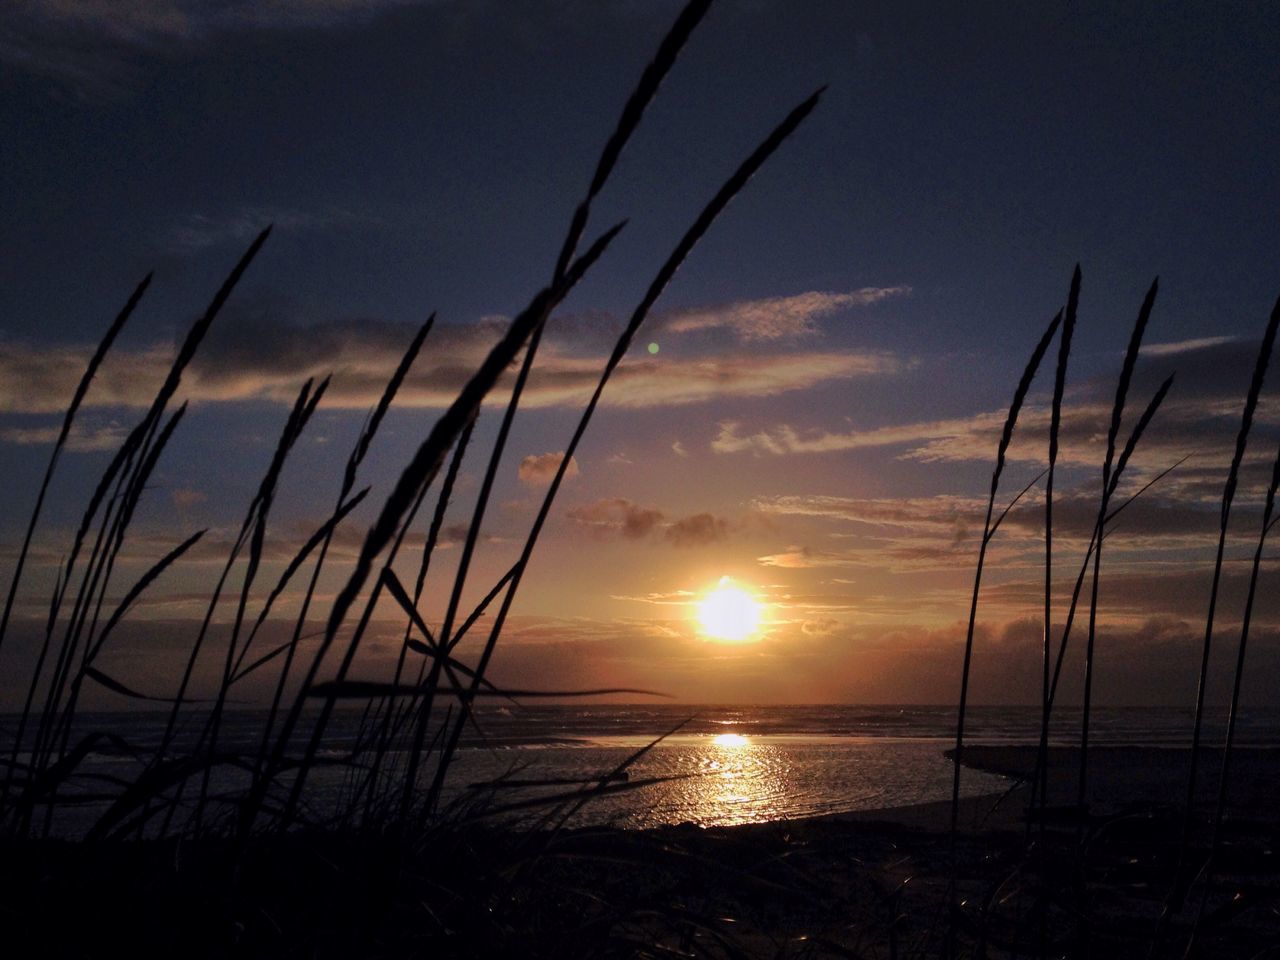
{"points": [[729, 613]]}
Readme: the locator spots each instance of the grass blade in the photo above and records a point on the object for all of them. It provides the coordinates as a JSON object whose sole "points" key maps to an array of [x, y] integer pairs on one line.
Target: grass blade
{"points": [[1006, 435], [104, 346], [692, 236]]}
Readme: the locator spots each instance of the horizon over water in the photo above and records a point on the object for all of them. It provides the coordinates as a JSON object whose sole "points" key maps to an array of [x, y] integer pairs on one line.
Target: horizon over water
{"points": [[751, 764], [724, 765]]}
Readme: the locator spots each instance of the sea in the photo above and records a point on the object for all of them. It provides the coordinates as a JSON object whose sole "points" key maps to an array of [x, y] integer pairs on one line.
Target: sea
{"points": [[716, 765]]}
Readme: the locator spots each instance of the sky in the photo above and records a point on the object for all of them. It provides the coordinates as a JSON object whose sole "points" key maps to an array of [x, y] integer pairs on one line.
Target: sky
{"points": [[813, 407]]}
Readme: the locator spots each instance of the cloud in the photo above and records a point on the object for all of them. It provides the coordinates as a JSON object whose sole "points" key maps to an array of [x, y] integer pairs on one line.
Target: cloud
{"points": [[147, 23], [617, 516], [1198, 419], [253, 355], [803, 558], [36, 379], [730, 376], [819, 659], [812, 659], [540, 469], [931, 535], [238, 227], [91, 46], [184, 498], [620, 517], [818, 628], [940, 512], [955, 439], [785, 439], [1182, 346], [697, 530], [774, 318], [82, 439]]}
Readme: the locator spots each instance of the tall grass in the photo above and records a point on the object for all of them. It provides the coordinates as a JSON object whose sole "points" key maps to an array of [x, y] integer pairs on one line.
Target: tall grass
{"points": [[989, 527], [1117, 458], [395, 775], [1233, 712], [1111, 472], [402, 737]]}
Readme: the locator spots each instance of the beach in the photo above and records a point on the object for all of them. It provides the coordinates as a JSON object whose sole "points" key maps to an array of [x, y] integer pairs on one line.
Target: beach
{"points": [[866, 883]]}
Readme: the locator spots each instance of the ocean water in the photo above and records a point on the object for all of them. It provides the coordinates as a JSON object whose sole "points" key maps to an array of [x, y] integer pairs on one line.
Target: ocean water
{"points": [[735, 765], [715, 765]]}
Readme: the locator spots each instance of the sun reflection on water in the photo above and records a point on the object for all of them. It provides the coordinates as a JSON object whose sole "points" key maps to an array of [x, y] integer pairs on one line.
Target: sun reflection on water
{"points": [[735, 780], [721, 778]]}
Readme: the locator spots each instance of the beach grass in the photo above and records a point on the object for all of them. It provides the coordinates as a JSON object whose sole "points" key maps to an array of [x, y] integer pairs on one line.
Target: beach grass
{"points": [[1064, 869]]}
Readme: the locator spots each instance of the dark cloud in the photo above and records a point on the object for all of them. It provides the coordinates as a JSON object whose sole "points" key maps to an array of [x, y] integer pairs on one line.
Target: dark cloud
{"points": [[251, 354], [697, 530], [617, 516], [821, 658]]}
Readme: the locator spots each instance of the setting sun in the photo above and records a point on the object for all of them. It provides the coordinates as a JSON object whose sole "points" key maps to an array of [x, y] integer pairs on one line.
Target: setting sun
{"points": [[729, 613]]}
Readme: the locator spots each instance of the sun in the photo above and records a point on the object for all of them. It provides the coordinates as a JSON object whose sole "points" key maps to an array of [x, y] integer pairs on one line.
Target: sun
{"points": [[729, 613]]}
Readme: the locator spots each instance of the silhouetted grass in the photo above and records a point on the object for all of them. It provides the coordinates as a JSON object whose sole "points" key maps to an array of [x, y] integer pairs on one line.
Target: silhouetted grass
{"points": [[394, 777], [400, 712], [988, 529], [1057, 876]]}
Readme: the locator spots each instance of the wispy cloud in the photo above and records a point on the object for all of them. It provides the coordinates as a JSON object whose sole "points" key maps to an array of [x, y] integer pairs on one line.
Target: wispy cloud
{"points": [[774, 318], [256, 356], [83, 437], [148, 21], [804, 558], [948, 513], [939, 533], [200, 231], [1197, 420], [784, 439], [90, 46], [1183, 346]]}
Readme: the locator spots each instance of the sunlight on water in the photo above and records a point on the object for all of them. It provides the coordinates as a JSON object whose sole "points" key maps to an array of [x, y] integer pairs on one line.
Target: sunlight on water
{"points": [[722, 779], [738, 782], [728, 765]]}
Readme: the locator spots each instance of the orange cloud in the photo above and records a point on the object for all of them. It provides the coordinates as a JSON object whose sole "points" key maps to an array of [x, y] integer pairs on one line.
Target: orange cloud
{"points": [[540, 469]]}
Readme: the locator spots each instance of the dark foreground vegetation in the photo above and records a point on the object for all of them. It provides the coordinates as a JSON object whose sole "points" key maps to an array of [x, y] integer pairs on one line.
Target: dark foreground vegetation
{"points": [[174, 863], [866, 885]]}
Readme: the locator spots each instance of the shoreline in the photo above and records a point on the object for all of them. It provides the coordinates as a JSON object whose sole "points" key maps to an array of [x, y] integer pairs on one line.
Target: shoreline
{"points": [[862, 883], [1121, 777]]}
